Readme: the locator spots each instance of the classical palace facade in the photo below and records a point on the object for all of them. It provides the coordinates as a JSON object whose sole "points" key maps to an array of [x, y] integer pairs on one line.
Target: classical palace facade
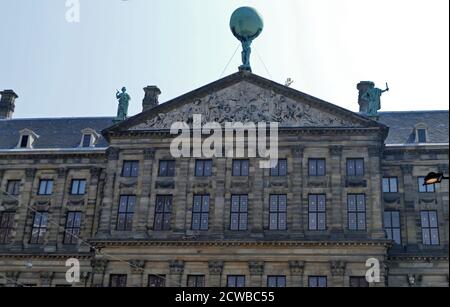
{"points": [[347, 188]]}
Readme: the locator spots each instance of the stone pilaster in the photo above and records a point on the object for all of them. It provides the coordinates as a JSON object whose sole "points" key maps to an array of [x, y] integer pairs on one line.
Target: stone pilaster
{"points": [[98, 272], [410, 203], [376, 193], [336, 206], [23, 212], [256, 269], [297, 182], [297, 270], [215, 273], [144, 206], [137, 273], [176, 269]]}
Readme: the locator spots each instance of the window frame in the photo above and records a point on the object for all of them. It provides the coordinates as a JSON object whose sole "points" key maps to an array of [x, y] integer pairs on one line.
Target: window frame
{"points": [[429, 229], [6, 226], [237, 279], [389, 184], [241, 163], [276, 171], [357, 212], [316, 162], [358, 282], [16, 187], [390, 229], [277, 279], [203, 163], [127, 214], [202, 213], [240, 212], [423, 189], [165, 213], [355, 173], [160, 281], [40, 227], [199, 281], [132, 171], [278, 213], [78, 181], [315, 281], [169, 170], [48, 189], [121, 282], [72, 231], [317, 213], [84, 139]]}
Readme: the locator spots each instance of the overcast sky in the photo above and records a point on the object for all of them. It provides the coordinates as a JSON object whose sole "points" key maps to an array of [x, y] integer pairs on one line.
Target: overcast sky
{"points": [[62, 69]]}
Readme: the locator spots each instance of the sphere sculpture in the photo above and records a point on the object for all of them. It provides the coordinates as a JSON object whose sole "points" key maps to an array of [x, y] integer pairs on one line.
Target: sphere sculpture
{"points": [[246, 24]]}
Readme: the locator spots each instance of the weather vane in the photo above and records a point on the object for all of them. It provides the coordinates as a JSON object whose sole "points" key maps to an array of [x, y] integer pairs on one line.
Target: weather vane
{"points": [[246, 25]]}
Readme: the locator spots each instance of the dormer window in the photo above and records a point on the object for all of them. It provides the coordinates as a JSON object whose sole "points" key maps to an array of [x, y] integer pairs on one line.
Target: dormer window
{"points": [[89, 138], [421, 133], [27, 139]]}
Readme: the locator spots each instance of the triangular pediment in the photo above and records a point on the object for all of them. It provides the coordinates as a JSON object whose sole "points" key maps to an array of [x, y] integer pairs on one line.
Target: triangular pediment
{"points": [[245, 97]]}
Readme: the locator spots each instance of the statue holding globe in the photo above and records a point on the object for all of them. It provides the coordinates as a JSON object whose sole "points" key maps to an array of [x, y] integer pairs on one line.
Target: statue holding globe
{"points": [[246, 24]]}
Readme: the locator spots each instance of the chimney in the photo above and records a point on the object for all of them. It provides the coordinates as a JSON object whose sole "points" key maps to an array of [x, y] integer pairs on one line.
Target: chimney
{"points": [[362, 87], [7, 105], [151, 97]]}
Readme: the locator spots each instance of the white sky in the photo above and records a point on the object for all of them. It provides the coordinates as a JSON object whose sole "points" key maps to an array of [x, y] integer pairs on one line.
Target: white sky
{"points": [[326, 46]]}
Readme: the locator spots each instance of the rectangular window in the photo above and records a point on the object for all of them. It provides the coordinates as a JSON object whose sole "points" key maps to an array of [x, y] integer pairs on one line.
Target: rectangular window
{"points": [[163, 212], [156, 281], [355, 167], [45, 187], [73, 226], [166, 168], [358, 282], [241, 168], [317, 282], [422, 135], [280, 170], [87, 140], [425, 188], [118, 280], [6, 226], [13, 187], [39, 228], [24, 141], [78, 187], [356, 206], [196, 281], [390, 185], [430, 228], [278, 212], [236, 281], [203, 168], [126, 212], [200, 213], [276, 281], [130, 169], [239, 212], [317, 167], [392, 226], [317, 212]]}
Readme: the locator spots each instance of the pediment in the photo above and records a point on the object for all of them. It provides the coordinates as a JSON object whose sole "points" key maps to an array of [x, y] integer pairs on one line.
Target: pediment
{"points": [[245, 98]]}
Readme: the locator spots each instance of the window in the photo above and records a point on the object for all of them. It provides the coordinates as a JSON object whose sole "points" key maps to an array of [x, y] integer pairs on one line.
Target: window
{"points": [[45, 187], [355, 167], [196, 281], [421, 135], [236, 281], [280, 170], [87, 140], [39, 228], [78, 187], [163, 212], [13, 187], [317, 212], [130, 169], [358, 282], [6, 226], [239, 212], [118, 280], [317, 167], [392, 226], [430, 228], [24, 141], [126, 213], [166, 168], [277, 212], [240, 168], [317, 282], [203, 168], [276, 281], [200, 213], [390, 185], [425, 188], [356, 211], [73, 226], [156, 281]]}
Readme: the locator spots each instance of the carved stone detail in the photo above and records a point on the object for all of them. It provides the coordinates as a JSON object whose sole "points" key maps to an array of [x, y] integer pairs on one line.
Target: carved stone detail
{"points": [[112, 153], [165, 184], [297, 267], [176, 266], [137, 266], [30, 173], [414, 280], [215, 267], [338, 268], [245, 102], [256, 267]]}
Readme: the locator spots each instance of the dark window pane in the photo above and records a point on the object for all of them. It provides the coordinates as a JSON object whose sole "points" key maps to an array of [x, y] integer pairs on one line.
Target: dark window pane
{"points": [[430, 228], [195, 281], [87, 140], [24, 141], [356, 211], [157, 281], [200, 213], [6, 226], [126, 212], [130, 169], [118, 281], [39, 228], [163, 212], [241, 168], [422, 135], [13, 187], [277, 212], [239, 207]]}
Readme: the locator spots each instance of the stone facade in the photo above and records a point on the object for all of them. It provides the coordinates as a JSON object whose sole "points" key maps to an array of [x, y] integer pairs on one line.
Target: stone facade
{"points": [[311, 129]]}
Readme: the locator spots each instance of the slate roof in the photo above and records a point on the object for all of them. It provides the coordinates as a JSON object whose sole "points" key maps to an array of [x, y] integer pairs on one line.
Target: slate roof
{"points": [[53, 133], [402, 126]]}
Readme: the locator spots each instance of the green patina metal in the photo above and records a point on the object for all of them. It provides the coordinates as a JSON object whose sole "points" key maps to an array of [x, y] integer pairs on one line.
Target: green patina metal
{"points": [[122, 110], [373, 98], [246, 25]]}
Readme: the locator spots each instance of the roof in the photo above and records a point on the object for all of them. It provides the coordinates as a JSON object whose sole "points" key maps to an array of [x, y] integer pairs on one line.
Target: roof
{"points": [[54, 133], [402, 126]]}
